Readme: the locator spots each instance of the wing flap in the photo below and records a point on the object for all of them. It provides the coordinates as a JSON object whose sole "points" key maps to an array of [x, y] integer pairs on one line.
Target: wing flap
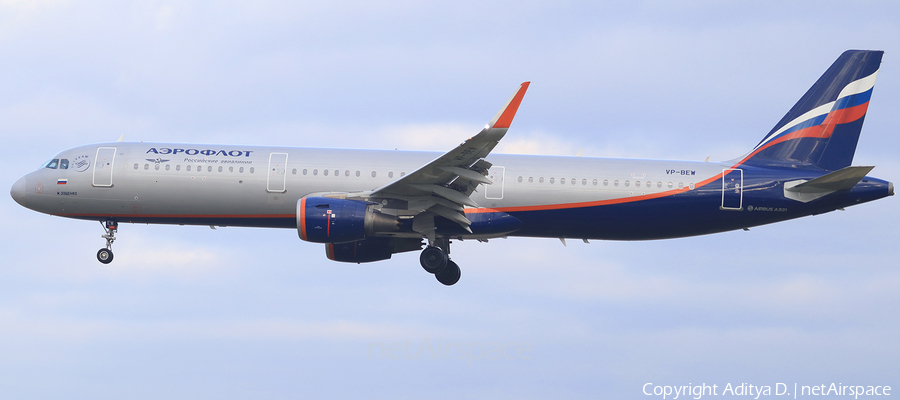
{"points": [[452, 215], [468, 174], [446, 193]]}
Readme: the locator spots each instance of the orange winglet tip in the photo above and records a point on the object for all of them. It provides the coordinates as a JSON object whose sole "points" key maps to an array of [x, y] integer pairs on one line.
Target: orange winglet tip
{"points": [[505, 116]]}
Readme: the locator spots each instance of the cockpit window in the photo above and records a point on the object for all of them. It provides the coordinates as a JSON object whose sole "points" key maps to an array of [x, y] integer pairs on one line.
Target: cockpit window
{"points": [[63, 163], [52, 164]]}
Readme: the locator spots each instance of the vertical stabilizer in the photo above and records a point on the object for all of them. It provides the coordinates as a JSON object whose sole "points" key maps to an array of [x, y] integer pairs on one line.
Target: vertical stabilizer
{"points": [[822, 129]]}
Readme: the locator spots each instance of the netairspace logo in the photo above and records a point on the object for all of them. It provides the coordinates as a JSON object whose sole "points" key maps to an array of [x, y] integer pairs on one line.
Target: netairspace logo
{"points": [[747, 390], [449, 350]]}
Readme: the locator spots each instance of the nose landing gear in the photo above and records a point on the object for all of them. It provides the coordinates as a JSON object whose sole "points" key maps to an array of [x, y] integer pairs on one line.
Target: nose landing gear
{"points": [[105, 255], [435, 260]]}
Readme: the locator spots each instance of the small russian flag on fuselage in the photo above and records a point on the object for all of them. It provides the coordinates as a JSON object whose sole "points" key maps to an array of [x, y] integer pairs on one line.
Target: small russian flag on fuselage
{"points": [[62, 181]]}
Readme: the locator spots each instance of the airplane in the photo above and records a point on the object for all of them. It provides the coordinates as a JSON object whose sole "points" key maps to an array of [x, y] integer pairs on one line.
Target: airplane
{"points": [[366, 205]]}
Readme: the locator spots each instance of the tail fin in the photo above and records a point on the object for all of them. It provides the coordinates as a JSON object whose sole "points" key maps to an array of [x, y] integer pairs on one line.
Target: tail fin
{"points": [[822, 129]]}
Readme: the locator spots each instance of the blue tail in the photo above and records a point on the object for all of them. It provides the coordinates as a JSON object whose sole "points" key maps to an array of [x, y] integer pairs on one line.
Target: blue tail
{"points": [[822, 129]]}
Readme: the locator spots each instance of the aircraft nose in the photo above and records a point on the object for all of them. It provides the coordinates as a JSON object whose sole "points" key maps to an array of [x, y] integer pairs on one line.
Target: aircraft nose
{"points": [[18, 191]]}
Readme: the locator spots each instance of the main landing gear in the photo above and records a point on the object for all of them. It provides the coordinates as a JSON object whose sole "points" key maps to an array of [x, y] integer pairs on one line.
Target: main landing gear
{"points": [[435, 260], [105, 255]]}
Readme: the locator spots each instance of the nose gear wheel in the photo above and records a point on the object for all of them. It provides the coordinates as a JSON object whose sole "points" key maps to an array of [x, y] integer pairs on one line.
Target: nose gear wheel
{"points": [[105, 255]]}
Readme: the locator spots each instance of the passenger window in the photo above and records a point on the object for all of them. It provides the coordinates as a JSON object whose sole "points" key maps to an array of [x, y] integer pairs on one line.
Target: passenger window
{"points": [[616, 182], [391, 174], [251, 170], [520, 179], [304, 171], [209, 168], [659, 184], [146, 167], [627, 183], [231, 169], [573, 180], [294, 172], [178, 167], [337, 173], [680, 185], [584, 182], [156, 167], [357, 174], [562, 181], [373, 174], [402, 174], [241, 170], [541, 180], [606, 182], [52, 164], [595, 182], [530, 179], [135, 166], [346, 173], [220, 168], [188, 168], [551, 180], [670, 185], [168, 167], [325, 172], [637, 183], [315, 172], [63, 164]]}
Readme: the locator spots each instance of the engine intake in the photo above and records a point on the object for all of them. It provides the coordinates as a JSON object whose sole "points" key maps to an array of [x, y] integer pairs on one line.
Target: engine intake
{"points": [[327, 220]]}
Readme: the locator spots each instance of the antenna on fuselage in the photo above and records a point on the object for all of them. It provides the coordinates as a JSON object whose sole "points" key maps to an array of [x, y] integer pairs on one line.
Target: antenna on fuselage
{"points": [[121, 138]]}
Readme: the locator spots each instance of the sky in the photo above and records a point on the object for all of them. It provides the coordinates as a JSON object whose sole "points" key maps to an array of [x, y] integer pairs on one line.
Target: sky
{"points": [[190, 312]]}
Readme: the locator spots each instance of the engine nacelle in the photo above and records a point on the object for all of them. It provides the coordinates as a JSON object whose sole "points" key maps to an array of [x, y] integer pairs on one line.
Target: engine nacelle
{"points": [[371, 249], [327, 220]]}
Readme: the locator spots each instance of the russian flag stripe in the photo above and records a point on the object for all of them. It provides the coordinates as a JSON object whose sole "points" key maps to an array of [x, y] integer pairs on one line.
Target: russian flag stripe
{"points": [[853, 100]]}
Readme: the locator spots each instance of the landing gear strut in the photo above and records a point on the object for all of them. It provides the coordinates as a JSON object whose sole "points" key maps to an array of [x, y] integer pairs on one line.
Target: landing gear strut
{"points": [[435, 260], [105, 255]]}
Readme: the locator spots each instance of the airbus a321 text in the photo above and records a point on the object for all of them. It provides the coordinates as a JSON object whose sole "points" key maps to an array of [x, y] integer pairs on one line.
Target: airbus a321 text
{"points": [[365, 205]]}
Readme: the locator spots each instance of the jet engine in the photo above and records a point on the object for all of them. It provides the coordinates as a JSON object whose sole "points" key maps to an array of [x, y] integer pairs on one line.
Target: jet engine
{"points": [[327, 220], [371, 249]]}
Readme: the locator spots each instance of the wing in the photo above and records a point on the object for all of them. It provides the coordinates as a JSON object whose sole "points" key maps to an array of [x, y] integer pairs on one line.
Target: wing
{"points": [[443, 186]]}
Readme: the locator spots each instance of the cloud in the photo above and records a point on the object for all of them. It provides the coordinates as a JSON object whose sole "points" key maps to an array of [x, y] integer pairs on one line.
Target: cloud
{"points": [[59, 327], [536, 143]]}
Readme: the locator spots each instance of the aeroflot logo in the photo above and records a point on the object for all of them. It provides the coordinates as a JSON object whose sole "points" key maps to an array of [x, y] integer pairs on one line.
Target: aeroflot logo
{"points": [[194, 152]]}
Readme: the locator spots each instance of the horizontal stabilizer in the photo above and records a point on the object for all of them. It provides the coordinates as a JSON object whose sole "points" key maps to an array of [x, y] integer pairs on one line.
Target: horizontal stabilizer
{"points": [[842, 179], [845, 178]]}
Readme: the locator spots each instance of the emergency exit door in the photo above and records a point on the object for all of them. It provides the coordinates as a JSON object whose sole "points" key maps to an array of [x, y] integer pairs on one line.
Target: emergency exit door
{"points": [[732, 189], [103, 166], [277, 173], [495, 191]]}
